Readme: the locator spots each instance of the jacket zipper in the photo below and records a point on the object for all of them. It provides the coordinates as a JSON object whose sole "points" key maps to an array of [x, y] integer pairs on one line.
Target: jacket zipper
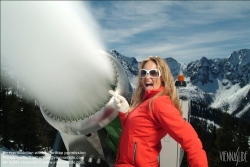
{"points": [[135, 145]]}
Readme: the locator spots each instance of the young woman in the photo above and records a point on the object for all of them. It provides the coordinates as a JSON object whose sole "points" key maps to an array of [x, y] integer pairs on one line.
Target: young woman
{"points": [[155, 111]]}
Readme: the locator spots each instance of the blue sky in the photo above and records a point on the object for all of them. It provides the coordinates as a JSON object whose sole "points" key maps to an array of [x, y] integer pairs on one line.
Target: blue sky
{"points": [[183, 30]]}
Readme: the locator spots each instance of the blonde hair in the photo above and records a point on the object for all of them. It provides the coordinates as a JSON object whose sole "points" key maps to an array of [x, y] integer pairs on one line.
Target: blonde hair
{"points": [[167, 82]]}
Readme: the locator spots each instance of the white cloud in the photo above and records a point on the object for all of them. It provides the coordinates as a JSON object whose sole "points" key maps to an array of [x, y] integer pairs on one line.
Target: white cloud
{"points": [[139, 29]]}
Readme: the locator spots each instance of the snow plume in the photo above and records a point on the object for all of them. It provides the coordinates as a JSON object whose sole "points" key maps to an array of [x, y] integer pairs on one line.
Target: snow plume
{"points": [[53, 49]]}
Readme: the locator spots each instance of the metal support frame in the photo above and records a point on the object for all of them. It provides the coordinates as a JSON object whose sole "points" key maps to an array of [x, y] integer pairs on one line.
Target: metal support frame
{"points": [[83, 143], [57, 145], [172, 153]]}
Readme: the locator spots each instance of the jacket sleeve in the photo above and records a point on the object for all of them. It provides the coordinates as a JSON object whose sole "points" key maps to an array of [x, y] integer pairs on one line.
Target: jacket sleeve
{"points": [[180, 130], [122, 118]]}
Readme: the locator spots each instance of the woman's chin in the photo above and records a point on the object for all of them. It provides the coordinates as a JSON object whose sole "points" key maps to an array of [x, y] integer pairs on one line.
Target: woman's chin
{"points": [[149, 88]]}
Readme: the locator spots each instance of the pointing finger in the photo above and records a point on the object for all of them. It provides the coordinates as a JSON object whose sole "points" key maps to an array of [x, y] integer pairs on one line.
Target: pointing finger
{"points": [[112, 93]]}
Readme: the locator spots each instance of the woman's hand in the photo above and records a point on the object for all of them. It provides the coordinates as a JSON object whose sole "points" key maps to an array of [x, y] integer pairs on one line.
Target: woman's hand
{"points": [[120, 102]]}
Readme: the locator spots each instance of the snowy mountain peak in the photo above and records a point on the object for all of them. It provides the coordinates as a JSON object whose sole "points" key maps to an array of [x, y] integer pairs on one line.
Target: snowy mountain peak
{"points": [[240, 58], [130, 64], [175, 67], [204, 62], [237, 67]]}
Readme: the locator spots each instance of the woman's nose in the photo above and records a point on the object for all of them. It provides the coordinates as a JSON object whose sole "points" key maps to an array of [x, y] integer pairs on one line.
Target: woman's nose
{"points": [[147, 75]]}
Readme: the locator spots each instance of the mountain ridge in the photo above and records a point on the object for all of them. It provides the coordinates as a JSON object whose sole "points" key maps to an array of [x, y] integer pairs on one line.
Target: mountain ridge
{"points": [[215, 82], [211, 81]]}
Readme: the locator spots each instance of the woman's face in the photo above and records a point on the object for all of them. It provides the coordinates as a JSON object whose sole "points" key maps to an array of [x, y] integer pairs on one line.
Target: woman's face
{"points": [[148, 82]]}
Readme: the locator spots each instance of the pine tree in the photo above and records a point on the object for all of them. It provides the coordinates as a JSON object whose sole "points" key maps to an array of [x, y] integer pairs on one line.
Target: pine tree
{"points": [[3, 116], [242, 141], [11, 106], [213, 152], [225, 140], [30, 135], [47, 132], [248, 134], [22, 125], [204, 134]]}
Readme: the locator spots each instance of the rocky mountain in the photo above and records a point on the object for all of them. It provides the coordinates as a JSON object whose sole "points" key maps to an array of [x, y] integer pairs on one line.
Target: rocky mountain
{"points": [[130, 64], [232, 70], [217, 82], [175, 67], [221, 82]]}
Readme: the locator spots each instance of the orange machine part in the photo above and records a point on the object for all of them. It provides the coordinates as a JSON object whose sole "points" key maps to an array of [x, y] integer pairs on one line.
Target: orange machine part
{"points": [[181, 77]]}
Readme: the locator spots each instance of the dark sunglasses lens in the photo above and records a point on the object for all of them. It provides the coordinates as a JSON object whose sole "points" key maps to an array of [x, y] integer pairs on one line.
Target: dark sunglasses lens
{"points": [[143, 73], [154, 73]]}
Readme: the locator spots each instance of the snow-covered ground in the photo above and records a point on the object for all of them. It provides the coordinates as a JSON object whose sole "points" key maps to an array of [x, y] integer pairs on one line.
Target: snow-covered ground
{"points": [[223, 96], [231, 97], [208, 121], [21, 159]]}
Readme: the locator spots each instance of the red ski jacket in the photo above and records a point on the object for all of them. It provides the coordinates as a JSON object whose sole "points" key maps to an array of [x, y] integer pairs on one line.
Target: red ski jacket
{"points": [[140, 141]]}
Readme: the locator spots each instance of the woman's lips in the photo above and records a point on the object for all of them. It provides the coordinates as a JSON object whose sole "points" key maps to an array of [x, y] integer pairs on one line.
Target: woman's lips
{"points": [[149, 86]]}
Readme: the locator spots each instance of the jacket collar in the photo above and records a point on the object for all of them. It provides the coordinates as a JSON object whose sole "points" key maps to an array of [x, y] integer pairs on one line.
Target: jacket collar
{"points": [[150, 93]]}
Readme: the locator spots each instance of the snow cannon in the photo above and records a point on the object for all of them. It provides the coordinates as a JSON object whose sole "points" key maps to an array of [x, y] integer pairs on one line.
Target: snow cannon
{"points": [[98, 113], [92, 137]]}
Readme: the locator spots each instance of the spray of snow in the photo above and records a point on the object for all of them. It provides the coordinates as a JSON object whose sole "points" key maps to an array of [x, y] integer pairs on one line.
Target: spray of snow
{"points": [[52, 48]]}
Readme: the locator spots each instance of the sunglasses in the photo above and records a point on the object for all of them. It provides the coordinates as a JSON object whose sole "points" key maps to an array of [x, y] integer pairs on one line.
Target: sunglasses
{"points": [[155, 73]]}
